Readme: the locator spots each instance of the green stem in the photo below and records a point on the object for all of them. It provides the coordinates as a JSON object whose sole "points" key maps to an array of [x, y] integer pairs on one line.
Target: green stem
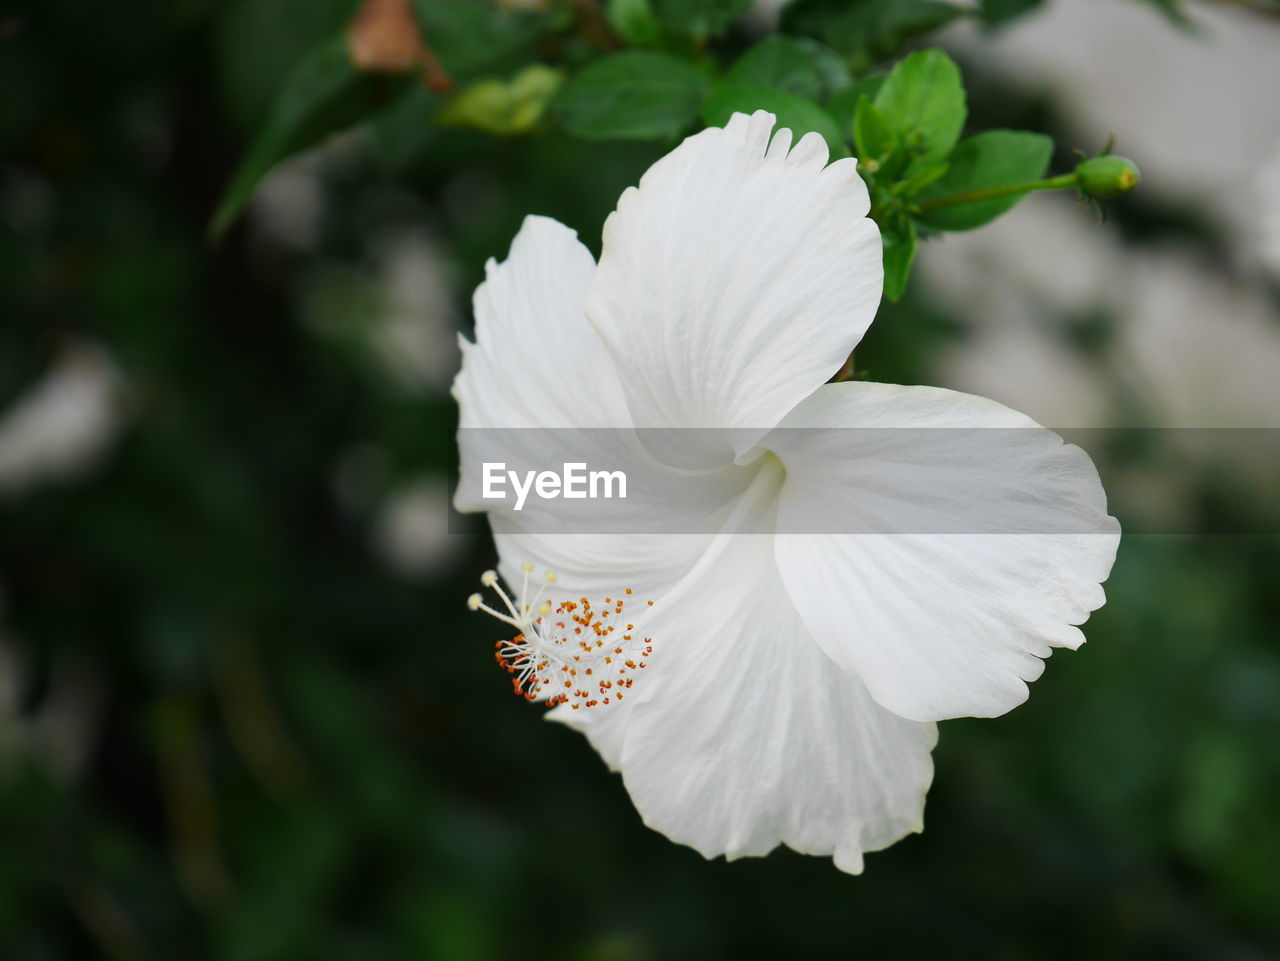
{"points": [[990, 193]]}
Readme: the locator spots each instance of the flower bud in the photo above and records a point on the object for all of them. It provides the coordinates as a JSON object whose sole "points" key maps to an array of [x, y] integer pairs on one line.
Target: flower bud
{"points": [[1106, 176]]}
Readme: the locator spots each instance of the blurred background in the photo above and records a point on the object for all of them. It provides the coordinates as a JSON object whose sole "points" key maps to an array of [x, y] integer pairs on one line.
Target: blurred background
{"points": [[244, 713]]}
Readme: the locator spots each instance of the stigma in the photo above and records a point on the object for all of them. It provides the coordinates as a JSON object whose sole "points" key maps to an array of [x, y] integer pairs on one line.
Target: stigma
{"points": [[572, 651]]}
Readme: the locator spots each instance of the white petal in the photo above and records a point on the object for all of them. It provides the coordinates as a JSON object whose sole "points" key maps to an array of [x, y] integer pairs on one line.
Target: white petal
{"points": [[536, 361], [597, 565], [744, 735], [538, 390], [644, 537], [936, 621], [736, 279]]}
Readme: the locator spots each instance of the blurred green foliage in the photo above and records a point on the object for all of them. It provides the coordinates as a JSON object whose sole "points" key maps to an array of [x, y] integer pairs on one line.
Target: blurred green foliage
{"points": [[905, 123], [232, 730]]}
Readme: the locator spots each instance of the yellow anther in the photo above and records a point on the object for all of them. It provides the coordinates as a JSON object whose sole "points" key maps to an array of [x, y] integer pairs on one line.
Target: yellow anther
{"points": [[546, 655]]}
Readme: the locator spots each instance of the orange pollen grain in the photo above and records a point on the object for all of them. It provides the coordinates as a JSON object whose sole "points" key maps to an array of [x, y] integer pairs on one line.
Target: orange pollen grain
{"points": [[541, 660]]}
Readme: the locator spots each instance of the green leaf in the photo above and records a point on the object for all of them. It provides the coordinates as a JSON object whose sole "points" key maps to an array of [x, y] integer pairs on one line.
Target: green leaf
{"points": [[780, 63], [831, 66], [634, 22], [504, 107], [699, 18], [404, 133], [792, 64], [324, 93], [873, 137], [633, 95], [994, 158], [866, 30], [802, 116], [844, 104], [923, 101], [921, 177], [474, 37], [899, 253]]}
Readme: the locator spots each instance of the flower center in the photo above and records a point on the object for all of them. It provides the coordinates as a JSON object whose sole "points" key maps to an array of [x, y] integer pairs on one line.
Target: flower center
{"points": [[568, 652]]}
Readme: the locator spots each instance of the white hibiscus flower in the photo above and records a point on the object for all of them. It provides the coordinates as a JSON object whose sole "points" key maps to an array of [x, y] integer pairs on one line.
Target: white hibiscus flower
{"points": [[795, 667]]}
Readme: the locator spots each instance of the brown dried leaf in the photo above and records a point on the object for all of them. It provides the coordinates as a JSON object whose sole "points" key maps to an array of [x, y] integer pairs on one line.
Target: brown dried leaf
{"points": [[384, 37]]}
